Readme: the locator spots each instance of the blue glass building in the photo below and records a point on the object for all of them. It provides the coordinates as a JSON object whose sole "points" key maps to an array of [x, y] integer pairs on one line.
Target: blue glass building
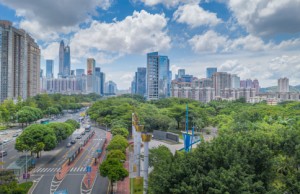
{"points": [[67, 62], [210, 71], [79, 72], [49, 68], [140, 81], [158, 79]]}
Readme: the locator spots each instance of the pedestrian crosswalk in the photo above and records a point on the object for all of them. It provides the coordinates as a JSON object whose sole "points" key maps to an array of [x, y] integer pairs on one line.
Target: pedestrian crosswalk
{"points": [[55, 170]]}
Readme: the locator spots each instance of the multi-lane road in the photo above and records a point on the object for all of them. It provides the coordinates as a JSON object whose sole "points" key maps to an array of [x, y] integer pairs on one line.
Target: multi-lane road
{"points": [[50, 163]]}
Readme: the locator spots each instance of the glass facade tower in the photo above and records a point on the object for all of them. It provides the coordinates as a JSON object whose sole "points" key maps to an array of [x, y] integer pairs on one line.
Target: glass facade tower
{"points": [[49, 68]]}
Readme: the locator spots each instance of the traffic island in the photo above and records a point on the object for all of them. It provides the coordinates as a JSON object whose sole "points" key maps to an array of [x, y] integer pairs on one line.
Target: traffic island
{"points": [[72, 160], [90, 177]]}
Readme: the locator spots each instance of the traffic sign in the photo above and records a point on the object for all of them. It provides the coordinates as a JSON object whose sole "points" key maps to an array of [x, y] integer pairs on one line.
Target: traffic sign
{"points": [[99, 150], [88, 169]]}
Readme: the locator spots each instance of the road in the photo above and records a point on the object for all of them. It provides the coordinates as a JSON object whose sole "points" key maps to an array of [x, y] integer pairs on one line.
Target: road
{"points": [[72, 181], [13, 154]]}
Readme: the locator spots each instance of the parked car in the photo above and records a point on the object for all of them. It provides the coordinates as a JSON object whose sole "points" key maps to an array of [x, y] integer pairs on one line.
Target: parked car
{"points": [[3, 153], [78, 137], [15, 135], [73, 141], [69, 145]]}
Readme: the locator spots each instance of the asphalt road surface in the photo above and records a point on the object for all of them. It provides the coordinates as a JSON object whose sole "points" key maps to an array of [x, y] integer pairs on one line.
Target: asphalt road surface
{"points": [[72, 181]]}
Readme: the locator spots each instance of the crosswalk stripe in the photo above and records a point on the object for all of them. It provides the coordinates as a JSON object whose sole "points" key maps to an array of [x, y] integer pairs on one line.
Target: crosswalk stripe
{"points": [[82, 168], [37, 170]]}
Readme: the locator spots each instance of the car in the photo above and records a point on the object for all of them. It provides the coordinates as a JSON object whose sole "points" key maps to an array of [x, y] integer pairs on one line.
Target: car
{"points": [[69, 145], [78, 137], [3, 153], [73, 141], [5, 141], [15, 135], [83, 133]]}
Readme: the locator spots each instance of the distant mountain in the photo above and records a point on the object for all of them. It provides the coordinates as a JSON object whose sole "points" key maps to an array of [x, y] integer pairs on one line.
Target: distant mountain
{"points": [[274, 89]]}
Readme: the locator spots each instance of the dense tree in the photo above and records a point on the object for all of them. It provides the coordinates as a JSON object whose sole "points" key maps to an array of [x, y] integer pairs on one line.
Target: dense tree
{"points": [[118, 142], [28, 114], [113, 169], [75, 124], [36, 138], [120, 131], [62, 130], [116, 154]]}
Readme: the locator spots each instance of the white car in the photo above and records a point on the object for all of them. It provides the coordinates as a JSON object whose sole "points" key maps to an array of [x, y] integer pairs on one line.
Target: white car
{"points": [[5, 141]]}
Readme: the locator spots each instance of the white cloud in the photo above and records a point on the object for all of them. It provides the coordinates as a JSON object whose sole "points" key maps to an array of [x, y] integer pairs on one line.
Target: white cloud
{"points": [[267, 17], [45, 18], [50, 51], [195, 16], [234, 67], [167, 3], [208, 42], [140, 33], [213, 42]]}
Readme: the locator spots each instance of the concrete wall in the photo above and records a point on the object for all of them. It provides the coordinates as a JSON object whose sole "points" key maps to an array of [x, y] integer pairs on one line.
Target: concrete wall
{"points": [[167, 136]]}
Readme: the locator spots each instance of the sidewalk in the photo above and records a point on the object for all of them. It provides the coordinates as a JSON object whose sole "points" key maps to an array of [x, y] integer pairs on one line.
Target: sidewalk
{"points": [[123, 186], [90, 179]]}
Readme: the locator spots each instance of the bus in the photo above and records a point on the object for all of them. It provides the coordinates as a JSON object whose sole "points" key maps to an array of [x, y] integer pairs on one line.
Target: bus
{"points": [[44, 122], [88, 128]]}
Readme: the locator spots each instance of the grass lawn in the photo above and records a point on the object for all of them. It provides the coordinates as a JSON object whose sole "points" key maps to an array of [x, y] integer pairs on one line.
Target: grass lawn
{"points": [[136, 185], [26, 186]]}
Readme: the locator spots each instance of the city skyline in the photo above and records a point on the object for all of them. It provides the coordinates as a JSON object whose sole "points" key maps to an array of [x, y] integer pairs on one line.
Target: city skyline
{"points": [[227, 39]]}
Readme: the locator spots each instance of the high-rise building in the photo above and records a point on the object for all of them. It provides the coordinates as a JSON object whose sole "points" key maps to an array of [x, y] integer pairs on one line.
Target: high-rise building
{"points": [[249, 83], [140, 81], [67, 62], [255, 85], [181, 72], [133, 85], [102, 81], [111, 87], [210, 71], [158, 84], [235, 81], [91, 63], [79, 72], [41, 73], [19, 63], [49, 68], [98, 79], [33, 70], [72, 73], [221, 80], [243, 84], [61, 58], [283, 85]]}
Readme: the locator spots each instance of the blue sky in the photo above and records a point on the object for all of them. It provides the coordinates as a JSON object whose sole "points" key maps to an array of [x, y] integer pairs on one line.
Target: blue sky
{"points": [[254, 39]]}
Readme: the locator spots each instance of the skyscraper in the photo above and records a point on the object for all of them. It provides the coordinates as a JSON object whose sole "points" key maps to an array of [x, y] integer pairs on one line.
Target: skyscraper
{"points": [[249, 83], [221, 80], [61, 57], [157, 76], [235, 81], [181, 72], [79, 72], [67, 62], [140, 81], [102, 81], [19, 63], [210, 71], [91, 63], [255, 85], [49, 68], [111, 87], [98, 79], [283, 85]]}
